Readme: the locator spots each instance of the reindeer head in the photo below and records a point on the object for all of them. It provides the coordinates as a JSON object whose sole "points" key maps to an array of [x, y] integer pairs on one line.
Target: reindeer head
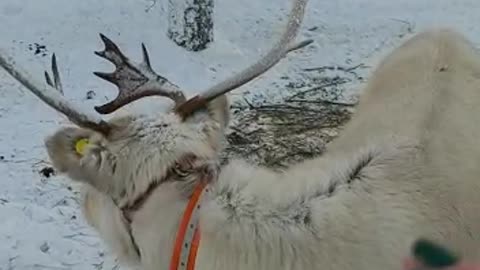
{"points": [[123, 156]]}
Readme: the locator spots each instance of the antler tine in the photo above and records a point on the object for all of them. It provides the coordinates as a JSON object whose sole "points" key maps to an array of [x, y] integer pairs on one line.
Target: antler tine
{"points": [[53, 97], [134, 81], [57, 84], [274, 55]]}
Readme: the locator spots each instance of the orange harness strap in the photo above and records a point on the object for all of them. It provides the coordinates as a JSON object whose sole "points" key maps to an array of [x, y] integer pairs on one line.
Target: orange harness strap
{"points": [[188, 237]]}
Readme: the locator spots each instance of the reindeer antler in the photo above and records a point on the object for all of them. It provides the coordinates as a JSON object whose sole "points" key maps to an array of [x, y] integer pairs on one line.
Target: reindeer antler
{"points": [[274, 55], [57, 84], [134, 81], [53, 96]]}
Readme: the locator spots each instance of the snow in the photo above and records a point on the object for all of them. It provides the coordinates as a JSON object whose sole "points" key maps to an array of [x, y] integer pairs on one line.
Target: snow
{"points": [[41, 226]]}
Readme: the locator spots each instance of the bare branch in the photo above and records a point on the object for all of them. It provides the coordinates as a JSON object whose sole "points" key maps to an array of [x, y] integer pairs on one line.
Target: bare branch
{"points": [[52, 96], [134, 81], [299, 45]]}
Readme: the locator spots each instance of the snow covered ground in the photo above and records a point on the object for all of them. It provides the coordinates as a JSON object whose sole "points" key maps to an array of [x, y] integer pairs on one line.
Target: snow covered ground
{"points": [[40, 224]]}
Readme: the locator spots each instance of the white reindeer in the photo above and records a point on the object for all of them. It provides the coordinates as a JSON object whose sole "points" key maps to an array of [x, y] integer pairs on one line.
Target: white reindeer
{"points": [[406, 166]]}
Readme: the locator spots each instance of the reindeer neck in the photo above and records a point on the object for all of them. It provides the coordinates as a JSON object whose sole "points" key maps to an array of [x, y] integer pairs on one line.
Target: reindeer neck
{"points": [[252, 194]]}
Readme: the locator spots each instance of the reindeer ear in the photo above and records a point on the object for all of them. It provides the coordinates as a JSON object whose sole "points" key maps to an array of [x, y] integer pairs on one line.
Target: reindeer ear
{"points": [[219, 110], [212, 119]]}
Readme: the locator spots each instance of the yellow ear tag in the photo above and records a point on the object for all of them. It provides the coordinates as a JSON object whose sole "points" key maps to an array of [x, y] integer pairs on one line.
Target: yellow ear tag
{"points": [[80, 146]]}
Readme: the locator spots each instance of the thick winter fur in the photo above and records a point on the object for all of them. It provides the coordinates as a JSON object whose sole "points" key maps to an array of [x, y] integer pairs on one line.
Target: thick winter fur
{"points": [[406, 166]]}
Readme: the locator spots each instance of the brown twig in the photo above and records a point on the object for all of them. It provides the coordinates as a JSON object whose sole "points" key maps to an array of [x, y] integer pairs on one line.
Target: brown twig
{"points": [[324, 102], [316, 88]]}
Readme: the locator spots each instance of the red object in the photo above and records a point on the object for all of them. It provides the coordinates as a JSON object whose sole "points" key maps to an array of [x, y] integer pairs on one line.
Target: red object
{"points": [[412, 264]]}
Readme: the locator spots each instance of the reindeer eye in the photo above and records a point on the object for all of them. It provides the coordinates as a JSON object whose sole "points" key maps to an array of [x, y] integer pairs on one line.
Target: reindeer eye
{"points": [[179, 170]]}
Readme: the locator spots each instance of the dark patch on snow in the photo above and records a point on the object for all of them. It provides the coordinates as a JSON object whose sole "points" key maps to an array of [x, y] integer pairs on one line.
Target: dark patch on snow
{"points": [[44, 247], [279, 133], [47, 172], [38, 49], [90, 94]]}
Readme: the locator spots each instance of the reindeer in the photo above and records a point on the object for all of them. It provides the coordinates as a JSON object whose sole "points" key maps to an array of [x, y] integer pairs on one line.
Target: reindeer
{"points": [[404, 167]]}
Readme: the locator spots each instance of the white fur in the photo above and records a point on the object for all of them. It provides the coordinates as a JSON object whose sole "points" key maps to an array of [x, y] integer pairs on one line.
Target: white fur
{"points": [[406, 166]]}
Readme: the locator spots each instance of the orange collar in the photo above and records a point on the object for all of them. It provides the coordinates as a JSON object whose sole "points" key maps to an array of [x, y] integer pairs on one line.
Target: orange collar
{"points": [[188, 236]]}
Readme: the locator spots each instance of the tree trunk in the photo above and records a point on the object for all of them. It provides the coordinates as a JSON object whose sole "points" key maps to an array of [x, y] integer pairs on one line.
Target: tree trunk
{"points": [[190, 23]]}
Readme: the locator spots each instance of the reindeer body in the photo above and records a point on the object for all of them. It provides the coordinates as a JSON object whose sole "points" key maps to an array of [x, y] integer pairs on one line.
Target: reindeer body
{"points": [[405, 166]]}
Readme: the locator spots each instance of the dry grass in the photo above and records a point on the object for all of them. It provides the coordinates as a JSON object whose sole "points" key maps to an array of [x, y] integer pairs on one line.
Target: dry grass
{"points": [[276, 135]]}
